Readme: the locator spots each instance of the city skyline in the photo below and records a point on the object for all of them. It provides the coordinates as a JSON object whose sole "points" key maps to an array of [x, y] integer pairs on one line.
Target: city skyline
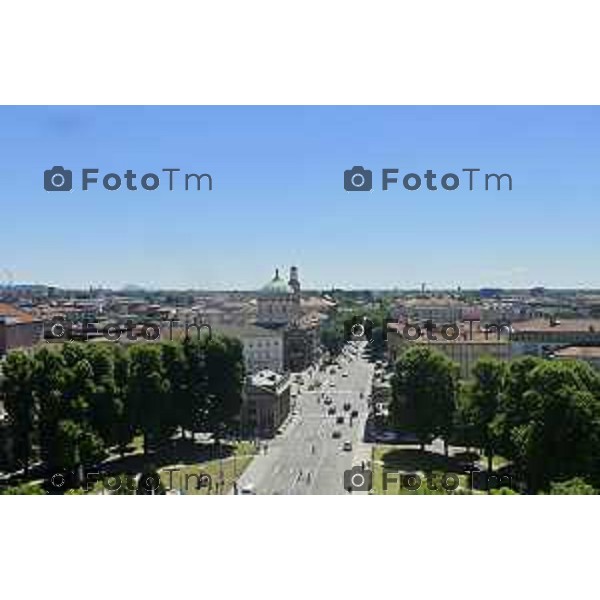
{"points": [[134, 288], [278, 197]]}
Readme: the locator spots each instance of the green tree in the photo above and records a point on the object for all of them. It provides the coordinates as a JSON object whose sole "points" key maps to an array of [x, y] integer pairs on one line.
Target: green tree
{"points": [[332, 338], [424, 388], [562, 438], [514, 411], [503, 491], [576, 487], [25, 489], [195, 415], [78, 383], [148, 389], [463, 431], [225, 379], [124, 426], [79, 443], [17, 388], [106, 405], [48, 384], [175, 367], [483, 400]]}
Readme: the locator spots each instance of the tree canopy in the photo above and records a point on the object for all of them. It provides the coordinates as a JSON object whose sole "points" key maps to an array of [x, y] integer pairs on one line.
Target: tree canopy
{"points": [[424, 391], [69, 406]]}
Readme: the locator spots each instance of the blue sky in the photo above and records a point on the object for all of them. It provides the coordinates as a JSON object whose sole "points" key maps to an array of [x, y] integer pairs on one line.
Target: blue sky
{"points": [[278, 197]]}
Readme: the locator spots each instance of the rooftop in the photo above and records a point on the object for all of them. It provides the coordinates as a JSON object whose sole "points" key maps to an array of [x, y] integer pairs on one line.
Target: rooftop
{"points": [[434, 301], [559, 325], [11, 314], [268, 379], [276, 287], [467, 335]]}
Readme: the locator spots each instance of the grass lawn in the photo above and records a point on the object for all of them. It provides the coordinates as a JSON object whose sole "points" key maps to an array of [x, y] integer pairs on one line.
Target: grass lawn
{"points": [[408, 460], [136, 445], [395, 460], [223, 472], [186, 477], [186, 464], [498, 462]]}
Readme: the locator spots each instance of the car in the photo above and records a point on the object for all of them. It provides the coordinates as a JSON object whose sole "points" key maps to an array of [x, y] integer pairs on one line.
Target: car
{"points": [[347, 406], [248, 490], [336, 434], [332, 384], [327, 400], [347, 446], [340, 420], [331, 410], [345, 374], [354, 414]]}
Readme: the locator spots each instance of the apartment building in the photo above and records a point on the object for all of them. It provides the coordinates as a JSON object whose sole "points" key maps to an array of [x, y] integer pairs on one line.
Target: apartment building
{"points": [[470, 345], [266, 403], [18, 329], [262, 347], [508, 311], [438, 310], [542, 336], [567, 338], [300, 346]]}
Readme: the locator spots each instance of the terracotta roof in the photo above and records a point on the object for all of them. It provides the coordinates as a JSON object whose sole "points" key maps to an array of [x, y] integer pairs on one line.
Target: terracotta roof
{"points": [[7, 310]]}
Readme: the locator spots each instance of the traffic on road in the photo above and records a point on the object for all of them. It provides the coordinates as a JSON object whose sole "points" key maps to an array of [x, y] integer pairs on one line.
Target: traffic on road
{"points": [[324, 435]]}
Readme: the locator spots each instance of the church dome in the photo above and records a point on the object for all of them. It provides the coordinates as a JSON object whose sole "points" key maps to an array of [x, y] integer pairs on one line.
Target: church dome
{"points": [[276, 287]]}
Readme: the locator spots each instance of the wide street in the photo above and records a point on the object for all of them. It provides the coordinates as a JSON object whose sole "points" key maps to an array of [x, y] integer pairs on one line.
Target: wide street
{"points": [[305, 458]]}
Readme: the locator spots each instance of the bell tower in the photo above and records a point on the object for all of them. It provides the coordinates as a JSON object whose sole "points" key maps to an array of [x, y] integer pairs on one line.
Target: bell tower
{"points": [[294, 282]]}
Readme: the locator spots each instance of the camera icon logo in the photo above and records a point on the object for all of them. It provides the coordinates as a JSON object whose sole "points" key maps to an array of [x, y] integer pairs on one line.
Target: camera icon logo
{"points": [[58, 331], [358, 179], [358, 329], [58, 179], [61, 481], [358, 479]]}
